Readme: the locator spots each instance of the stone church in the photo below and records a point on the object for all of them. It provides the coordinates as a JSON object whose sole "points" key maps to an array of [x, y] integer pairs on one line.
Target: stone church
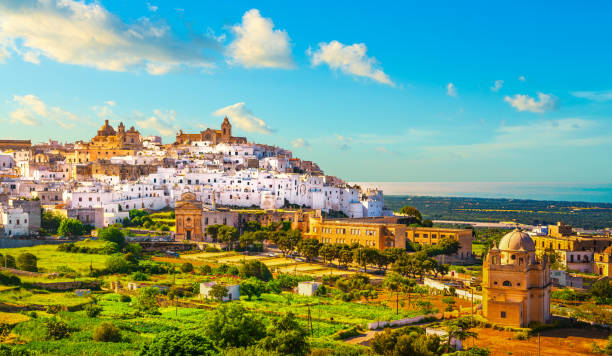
{"points": [[516, 283]]}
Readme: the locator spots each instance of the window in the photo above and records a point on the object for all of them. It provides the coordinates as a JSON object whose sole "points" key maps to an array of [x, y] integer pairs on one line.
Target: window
{"points": [[503, 314], [513, 257], [507, 284]]}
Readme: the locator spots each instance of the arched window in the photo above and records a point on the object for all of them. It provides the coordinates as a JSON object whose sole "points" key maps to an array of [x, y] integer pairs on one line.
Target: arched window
{"points": [[513, 257], [507, 284]]}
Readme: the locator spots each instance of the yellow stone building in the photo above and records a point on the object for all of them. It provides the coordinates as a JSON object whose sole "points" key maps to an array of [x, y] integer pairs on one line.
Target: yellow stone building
{"points": [[516, 283], [106, 144], [369, 232], [603, 262], [433, 235]]}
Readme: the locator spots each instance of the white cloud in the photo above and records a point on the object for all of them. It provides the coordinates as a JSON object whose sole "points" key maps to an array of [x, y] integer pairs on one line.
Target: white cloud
{"points": [[243, 118], [601, 96], [32, 111], [451, 90], [258, 45], [498, 84], [110, 103], [520, 102], [161, 121], [349, 59], [300, 142], [343, 142], [151, 7], [75, 32], [522, 78]]}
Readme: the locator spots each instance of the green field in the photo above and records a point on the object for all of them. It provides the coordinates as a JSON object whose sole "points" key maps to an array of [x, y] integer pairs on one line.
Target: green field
{"points": [[140, 329], [49, 258]]}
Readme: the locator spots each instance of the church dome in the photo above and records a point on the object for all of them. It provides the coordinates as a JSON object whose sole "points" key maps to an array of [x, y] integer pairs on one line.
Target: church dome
{"points": [[517, 240]]}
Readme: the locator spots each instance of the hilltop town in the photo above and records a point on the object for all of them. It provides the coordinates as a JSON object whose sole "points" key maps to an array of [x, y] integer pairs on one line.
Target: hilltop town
{"points": [[213, 227]]}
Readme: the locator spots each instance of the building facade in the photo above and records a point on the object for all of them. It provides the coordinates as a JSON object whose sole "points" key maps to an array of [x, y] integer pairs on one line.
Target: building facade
{"points": [[188, 218], [380, 235], [428, 236], [516, 283]]}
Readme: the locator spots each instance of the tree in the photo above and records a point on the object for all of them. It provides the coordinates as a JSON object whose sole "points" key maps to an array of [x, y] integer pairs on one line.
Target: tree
{"points": [[56, 329], [382, 261], [252, 226], [328, 252], [397, 284], [394, 253], [228, 235], [185, 343], [345, 257], [252, 287], [213, 231], [112, 234], [147, 300], [288, 240], [27, 262], [71, 228], [186, 267], [411, 211], [601, 291], [255, 268], [286, 337], [365, 256], [218, 292], [231, 325], [8, 261], [50, 221], [247, 239], [117, 264], [107, 332], [309, 248]]}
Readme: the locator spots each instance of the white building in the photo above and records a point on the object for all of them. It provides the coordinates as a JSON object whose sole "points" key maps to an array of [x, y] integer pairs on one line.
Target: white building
{"points": [[307, 288], [233, 291], [15, 222]]}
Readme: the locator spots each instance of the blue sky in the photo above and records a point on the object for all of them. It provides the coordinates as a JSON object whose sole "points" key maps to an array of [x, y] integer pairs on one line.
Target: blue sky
{"points": [[372, 91]]}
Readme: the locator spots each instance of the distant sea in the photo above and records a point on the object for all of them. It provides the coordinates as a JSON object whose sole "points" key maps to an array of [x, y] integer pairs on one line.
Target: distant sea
{"points": [[592, 193]]}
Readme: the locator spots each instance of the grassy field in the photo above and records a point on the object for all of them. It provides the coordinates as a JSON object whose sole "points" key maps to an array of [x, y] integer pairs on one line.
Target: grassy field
{"points": [[30, 333], [276, 264], [49, 258], [24, 297]]}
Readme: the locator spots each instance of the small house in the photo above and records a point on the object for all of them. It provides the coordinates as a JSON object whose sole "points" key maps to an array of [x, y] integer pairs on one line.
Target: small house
{"points": [[307, 288], [233, 291]]}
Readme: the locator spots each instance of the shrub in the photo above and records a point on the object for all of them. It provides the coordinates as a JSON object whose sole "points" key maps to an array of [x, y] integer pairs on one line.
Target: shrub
{"points": [[139, 276], [109, 248], [56, 329], [71, 227], [117, 264], [346, 333], [9, 279], [210, 248], [53, 309], [92, 310], [206, 269], [125, 298], [186, 267], [5, 330], [27, 262], [107, 332], [134, 249], [178, 343], [8, 261], [112, 234], [147, 302]]}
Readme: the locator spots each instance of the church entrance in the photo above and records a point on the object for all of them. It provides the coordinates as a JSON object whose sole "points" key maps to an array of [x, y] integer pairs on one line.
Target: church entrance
{"points": [[188, 237]]}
